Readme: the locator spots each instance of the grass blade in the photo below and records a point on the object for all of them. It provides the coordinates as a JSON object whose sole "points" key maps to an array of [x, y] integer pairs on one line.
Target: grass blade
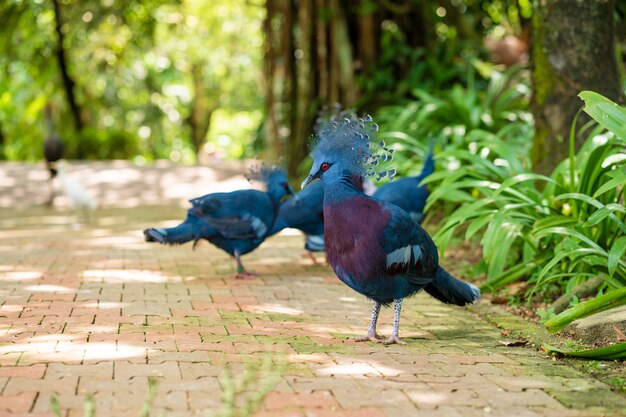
{"points": [[613, 352], [586, 308]]}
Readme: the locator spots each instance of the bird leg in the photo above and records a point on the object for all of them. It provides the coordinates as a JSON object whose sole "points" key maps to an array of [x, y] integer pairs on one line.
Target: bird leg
{"points": [[50, 201], [310, 255], [371, 333], [395, 336], [241, 271]]}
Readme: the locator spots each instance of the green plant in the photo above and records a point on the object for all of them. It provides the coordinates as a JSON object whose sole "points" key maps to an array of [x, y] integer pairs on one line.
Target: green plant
{"points": [[560, 229], [242, 395], [617, 351], [458, 118], [545, 315]]}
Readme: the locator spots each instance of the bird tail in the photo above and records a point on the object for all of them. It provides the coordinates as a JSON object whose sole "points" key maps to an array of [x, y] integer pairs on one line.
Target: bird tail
{"points": [[450, 290], [429, 160], [178, 235]]}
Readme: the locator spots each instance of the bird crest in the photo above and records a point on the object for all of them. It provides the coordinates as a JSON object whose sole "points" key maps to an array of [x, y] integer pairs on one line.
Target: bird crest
{"points": [[263, 173], [344, 135]]}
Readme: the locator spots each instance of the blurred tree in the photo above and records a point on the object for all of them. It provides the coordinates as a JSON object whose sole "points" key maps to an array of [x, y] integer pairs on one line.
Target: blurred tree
{"points": [[318, 53], [573, 50], [68, 80], [216, 57]]}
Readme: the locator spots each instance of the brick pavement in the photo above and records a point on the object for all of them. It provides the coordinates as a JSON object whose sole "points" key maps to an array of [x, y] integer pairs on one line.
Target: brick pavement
{"points": [[97, 311]]}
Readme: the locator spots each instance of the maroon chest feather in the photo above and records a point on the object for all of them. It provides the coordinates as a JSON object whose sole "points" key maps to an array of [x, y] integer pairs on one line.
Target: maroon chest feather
{"points": [[352, 230]]}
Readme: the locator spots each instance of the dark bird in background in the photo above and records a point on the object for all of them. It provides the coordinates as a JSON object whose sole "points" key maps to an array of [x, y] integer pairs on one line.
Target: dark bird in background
{"points": [[406, 193], [304, 212], [236, 222], [373, 246], [53, 150]]}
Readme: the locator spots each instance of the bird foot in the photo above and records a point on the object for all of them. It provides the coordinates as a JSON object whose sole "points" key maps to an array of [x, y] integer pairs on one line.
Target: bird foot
{"points": [[369, 338], [245, 274], [312, 258], [394, 339]]}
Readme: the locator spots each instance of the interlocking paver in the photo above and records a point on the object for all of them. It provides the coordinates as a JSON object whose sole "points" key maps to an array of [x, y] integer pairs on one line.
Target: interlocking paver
{"points": [[96, 311]]}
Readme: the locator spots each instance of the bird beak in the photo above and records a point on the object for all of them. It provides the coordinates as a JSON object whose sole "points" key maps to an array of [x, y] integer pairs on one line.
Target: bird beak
{"points": [[308, 179]]}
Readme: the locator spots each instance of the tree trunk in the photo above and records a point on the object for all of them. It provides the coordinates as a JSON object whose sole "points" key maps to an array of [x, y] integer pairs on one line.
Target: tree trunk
{"points": [[199, 119], [304, 104], [271, 124], [573, 50], [68, 81]]}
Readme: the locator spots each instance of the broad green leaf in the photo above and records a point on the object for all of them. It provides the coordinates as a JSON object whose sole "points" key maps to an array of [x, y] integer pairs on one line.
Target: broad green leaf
{"points": [[553, 221], [605, 112], [616, 254], [619, 178], [476, 225], [558, 257], [569, 232], [592, 201], [529, 176]]}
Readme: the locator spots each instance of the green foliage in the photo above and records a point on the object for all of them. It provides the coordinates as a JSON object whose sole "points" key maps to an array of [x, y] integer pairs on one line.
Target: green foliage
{"points": [[469, 123], [133, 65], [242, 395], [545, 315], [559, 230]]}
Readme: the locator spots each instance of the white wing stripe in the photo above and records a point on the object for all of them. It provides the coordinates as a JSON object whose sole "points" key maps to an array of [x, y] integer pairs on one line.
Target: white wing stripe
{"points": [[417, 252], [257, 225], [402, 255]]}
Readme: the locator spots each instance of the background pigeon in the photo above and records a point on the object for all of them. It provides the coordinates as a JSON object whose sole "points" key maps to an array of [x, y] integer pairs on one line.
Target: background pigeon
{"points": [[406, 193], [373, 246], [236, 222], [304, 212]]}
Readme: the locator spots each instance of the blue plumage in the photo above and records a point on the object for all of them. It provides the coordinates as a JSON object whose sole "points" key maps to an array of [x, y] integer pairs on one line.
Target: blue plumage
{"points": [[406, 193], [374, 246], [304, 212], [236, 222]]}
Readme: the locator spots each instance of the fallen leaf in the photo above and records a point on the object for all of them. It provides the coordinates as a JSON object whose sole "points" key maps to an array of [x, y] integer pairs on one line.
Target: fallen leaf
{"points": [[512, 343], [620, 335], [506, 332]]}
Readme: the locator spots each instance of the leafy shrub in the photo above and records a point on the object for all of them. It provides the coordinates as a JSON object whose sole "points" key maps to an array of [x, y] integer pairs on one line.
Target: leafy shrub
{"points": [[458, 118], [563, 229]]}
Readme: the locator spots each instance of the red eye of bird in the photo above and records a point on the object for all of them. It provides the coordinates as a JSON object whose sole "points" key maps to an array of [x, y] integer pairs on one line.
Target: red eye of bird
{"points": [[325, 166], [285, 186]]}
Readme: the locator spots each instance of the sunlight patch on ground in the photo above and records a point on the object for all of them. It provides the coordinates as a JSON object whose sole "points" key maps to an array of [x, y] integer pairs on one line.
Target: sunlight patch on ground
{"points": [[6, 308], [359, 368], [129, 242], [52, 337], [276, 308], [91, 328], [290, 232], [105, 305], [73, 352], [427, 397], [126, 275], [21, 275], [49, 288]]}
